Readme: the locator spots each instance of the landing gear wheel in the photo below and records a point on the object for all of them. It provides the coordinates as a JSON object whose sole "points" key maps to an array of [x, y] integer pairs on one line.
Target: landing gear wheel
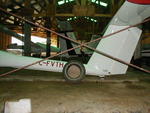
{"points": [[74, 71]]}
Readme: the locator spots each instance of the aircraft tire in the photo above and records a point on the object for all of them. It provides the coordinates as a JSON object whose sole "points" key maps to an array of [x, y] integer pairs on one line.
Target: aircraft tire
{"points": [[74, 72]]}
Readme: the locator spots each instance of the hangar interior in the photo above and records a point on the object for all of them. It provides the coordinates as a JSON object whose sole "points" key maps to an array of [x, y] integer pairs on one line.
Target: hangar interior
{"points": [[47, 13], [84, 20]]}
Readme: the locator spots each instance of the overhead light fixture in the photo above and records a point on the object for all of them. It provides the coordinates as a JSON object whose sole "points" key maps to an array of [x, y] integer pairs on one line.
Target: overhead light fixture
{"points": [[88, 18], [95, 20], [67, 1], [16, 7], [64, 1], [103, 4], [99, 3], [96, 2], [93, 1], [8, 9], [61, 2], [10, 21]]}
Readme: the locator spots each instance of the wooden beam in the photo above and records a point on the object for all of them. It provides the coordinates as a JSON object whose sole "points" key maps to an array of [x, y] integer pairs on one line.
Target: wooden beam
{"points": [[103, 15], [113, 9], [71, 15], [83, 2], [77, 2], [46, 1], [27, 3], [120, 3]]}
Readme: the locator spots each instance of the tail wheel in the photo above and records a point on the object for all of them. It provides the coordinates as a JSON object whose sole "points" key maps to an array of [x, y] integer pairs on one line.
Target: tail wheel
{"points": [[74, 71]]}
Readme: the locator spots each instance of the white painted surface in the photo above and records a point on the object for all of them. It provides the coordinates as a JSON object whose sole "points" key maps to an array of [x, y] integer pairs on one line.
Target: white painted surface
{"points": [[11, 60], [121, 45], [22, 106], [130, 14]]}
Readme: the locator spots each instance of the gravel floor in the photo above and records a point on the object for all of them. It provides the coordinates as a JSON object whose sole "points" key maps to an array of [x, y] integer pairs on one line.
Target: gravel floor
{"points": [[87, 97]]}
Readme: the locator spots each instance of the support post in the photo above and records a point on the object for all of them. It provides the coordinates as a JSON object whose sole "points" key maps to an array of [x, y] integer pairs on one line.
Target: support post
{"points": [[48, 24], [113, 8], [48, 41], [27, 39], [27, 29]]}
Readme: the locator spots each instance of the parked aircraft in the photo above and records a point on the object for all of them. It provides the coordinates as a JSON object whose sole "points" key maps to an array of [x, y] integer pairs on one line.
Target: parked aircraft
{"points": [[120, 45]]}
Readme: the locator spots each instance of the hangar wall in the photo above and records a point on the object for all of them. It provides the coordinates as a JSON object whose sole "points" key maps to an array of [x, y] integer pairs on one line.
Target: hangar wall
{"points": [[5, 40]]}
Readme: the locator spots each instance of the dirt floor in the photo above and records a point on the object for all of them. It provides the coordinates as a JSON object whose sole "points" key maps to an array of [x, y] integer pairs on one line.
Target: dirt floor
{"points": [[49, 93]]}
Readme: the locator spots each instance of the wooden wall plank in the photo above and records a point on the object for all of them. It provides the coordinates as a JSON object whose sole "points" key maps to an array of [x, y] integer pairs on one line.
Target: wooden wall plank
{"points": [[5, 40]]}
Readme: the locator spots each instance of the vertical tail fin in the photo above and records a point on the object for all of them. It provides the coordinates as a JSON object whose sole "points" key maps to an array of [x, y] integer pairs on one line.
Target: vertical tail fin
{"points": [[121, 45]]}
